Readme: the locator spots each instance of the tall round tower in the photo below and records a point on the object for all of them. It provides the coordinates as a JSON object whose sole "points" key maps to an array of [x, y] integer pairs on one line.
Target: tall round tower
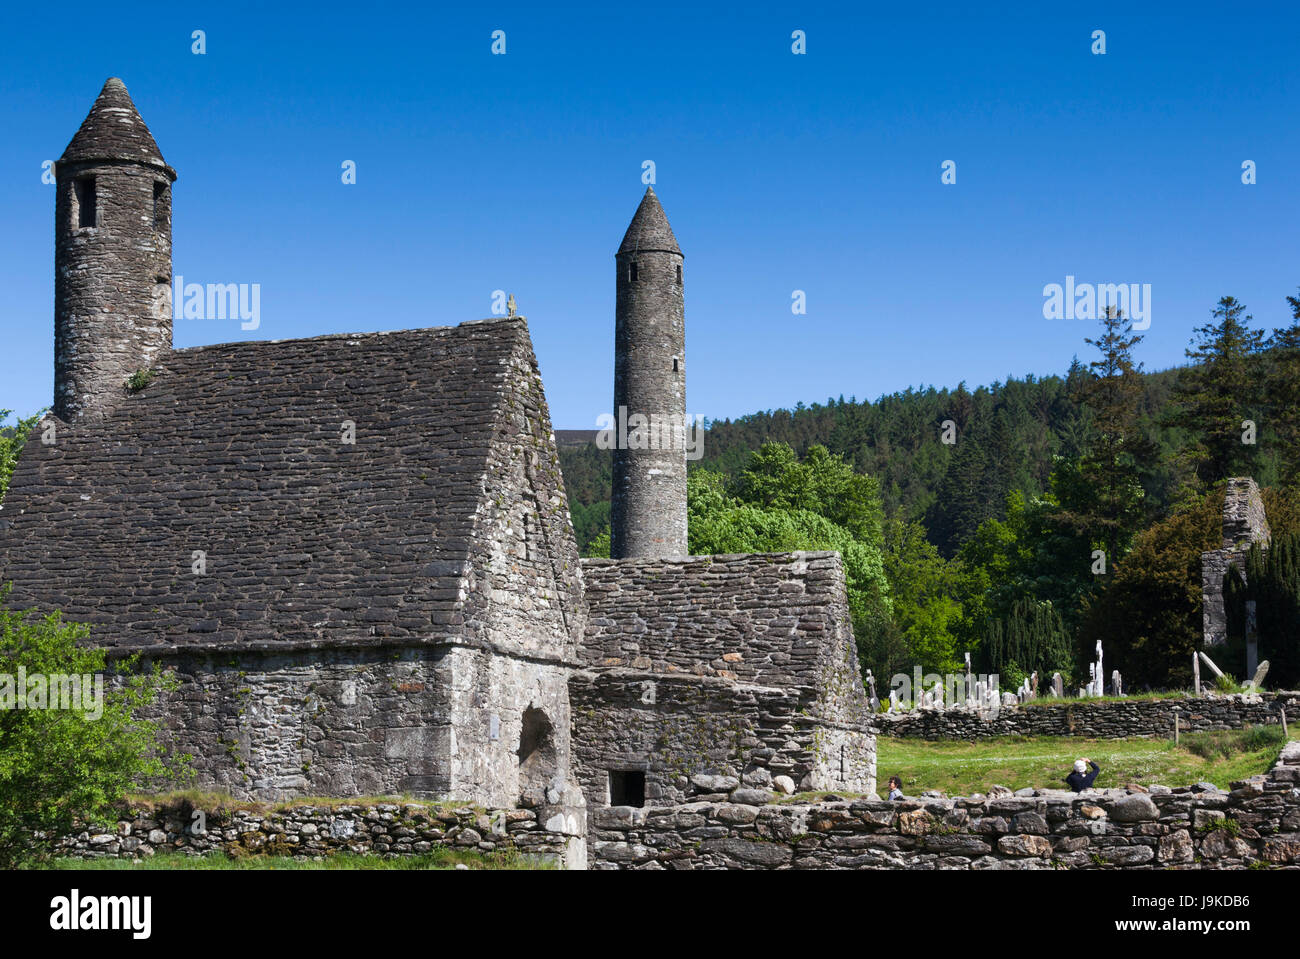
{"points": [[648, 508], [112, 256]]}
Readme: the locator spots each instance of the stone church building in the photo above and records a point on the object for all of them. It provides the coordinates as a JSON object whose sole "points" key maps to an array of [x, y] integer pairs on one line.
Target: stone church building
{"points": [[354, 552]]}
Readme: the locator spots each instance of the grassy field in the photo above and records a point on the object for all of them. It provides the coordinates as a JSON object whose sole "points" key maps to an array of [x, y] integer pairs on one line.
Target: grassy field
{"points": [[962, 768], [436, 859]]}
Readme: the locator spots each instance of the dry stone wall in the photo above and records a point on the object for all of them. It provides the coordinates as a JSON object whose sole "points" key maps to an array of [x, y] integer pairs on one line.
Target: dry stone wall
{"points": [[307, 831], [687, 734], [1102, 719], [1256, 824]]}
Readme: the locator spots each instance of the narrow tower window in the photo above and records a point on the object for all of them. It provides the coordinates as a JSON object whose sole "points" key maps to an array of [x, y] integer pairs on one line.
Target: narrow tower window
{"points": [[83, 196], [674, 364], [679, 275], [159, 207], [631, 272]]}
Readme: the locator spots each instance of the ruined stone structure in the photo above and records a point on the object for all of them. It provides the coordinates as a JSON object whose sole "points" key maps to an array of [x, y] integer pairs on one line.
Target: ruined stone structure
{"points": [[113, 256], [648, 507], [355, 554], [1244, 524]]}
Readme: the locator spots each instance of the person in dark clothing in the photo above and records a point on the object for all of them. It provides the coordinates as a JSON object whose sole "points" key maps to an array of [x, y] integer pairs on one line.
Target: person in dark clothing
{"points": [[895, 788], [1080, 779]]}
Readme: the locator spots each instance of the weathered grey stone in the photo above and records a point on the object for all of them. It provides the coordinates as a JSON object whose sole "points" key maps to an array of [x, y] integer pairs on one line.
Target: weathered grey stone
{"points": [[1176, 847], [1135, 808], [1025, 846]]}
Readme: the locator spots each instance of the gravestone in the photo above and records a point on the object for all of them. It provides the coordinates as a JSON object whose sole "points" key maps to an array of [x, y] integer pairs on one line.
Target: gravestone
{"points": [[1209, 662], [1058, 686], [1257, 681]]}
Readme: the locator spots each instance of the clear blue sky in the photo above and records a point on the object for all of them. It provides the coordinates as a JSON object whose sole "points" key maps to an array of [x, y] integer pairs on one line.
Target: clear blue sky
{"points": [[779, 172]]}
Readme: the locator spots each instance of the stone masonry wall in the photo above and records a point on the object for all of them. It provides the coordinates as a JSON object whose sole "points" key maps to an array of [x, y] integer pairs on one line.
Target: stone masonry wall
{"points": [[648, 490], [1257, 824], [739, 666], [1104, 719], [112, 284], [689, 734], [323, 723], [428, 722], [306, 831]]}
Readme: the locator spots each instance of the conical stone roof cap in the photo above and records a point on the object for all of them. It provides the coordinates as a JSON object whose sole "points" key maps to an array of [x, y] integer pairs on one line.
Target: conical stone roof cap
{"points": [[649, 229], [113, 130]]}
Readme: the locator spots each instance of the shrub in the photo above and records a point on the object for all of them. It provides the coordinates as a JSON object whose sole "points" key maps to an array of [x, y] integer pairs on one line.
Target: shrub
{"points": [[58, 766]]}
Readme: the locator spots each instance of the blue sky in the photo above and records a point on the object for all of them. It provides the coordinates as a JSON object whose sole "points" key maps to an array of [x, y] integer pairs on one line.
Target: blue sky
{"points": [[779, 172]]}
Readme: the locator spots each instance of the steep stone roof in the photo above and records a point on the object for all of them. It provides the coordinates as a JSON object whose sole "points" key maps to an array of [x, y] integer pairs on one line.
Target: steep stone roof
{"points": [[769, 619], [113, 130], [649, 229], [235, 450]]}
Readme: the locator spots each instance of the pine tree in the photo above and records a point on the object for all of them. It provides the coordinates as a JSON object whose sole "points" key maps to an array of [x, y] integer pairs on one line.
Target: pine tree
{"points": [[1110, 507], [1219, 391], [1284, 394]]}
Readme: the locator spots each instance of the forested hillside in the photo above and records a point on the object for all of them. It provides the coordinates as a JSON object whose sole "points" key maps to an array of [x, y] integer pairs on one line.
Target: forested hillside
{"points": [[1023, 519]]}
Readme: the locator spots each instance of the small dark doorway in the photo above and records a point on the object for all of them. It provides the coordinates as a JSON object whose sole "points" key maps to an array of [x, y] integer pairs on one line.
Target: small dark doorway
{"points": [[626, 787]]}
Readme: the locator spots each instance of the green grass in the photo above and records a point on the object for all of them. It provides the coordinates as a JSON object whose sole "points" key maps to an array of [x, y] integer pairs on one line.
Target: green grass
{"points": [[435, 859], [1048, 701], [1043, 762]]}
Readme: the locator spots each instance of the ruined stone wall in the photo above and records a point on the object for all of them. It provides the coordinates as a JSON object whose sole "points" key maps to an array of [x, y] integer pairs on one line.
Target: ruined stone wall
{"points": [[1256, 824], [1106, 719], [1244, 524], [307, 831]]}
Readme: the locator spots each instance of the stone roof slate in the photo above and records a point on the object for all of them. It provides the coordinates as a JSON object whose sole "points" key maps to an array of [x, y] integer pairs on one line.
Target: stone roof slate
{"points": [[113, 130], [770, 619], [235, 450], [649, 229]]}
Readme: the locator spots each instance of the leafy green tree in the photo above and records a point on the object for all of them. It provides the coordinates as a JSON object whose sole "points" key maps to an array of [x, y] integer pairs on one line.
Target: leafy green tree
{"points": [[926, 611], [722, 522], [58, 766], [1220, 390], [821, 483]]}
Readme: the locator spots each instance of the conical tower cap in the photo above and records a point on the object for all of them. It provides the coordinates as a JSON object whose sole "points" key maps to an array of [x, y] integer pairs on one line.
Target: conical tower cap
{"points": [[114, 130], [649, 229]]}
